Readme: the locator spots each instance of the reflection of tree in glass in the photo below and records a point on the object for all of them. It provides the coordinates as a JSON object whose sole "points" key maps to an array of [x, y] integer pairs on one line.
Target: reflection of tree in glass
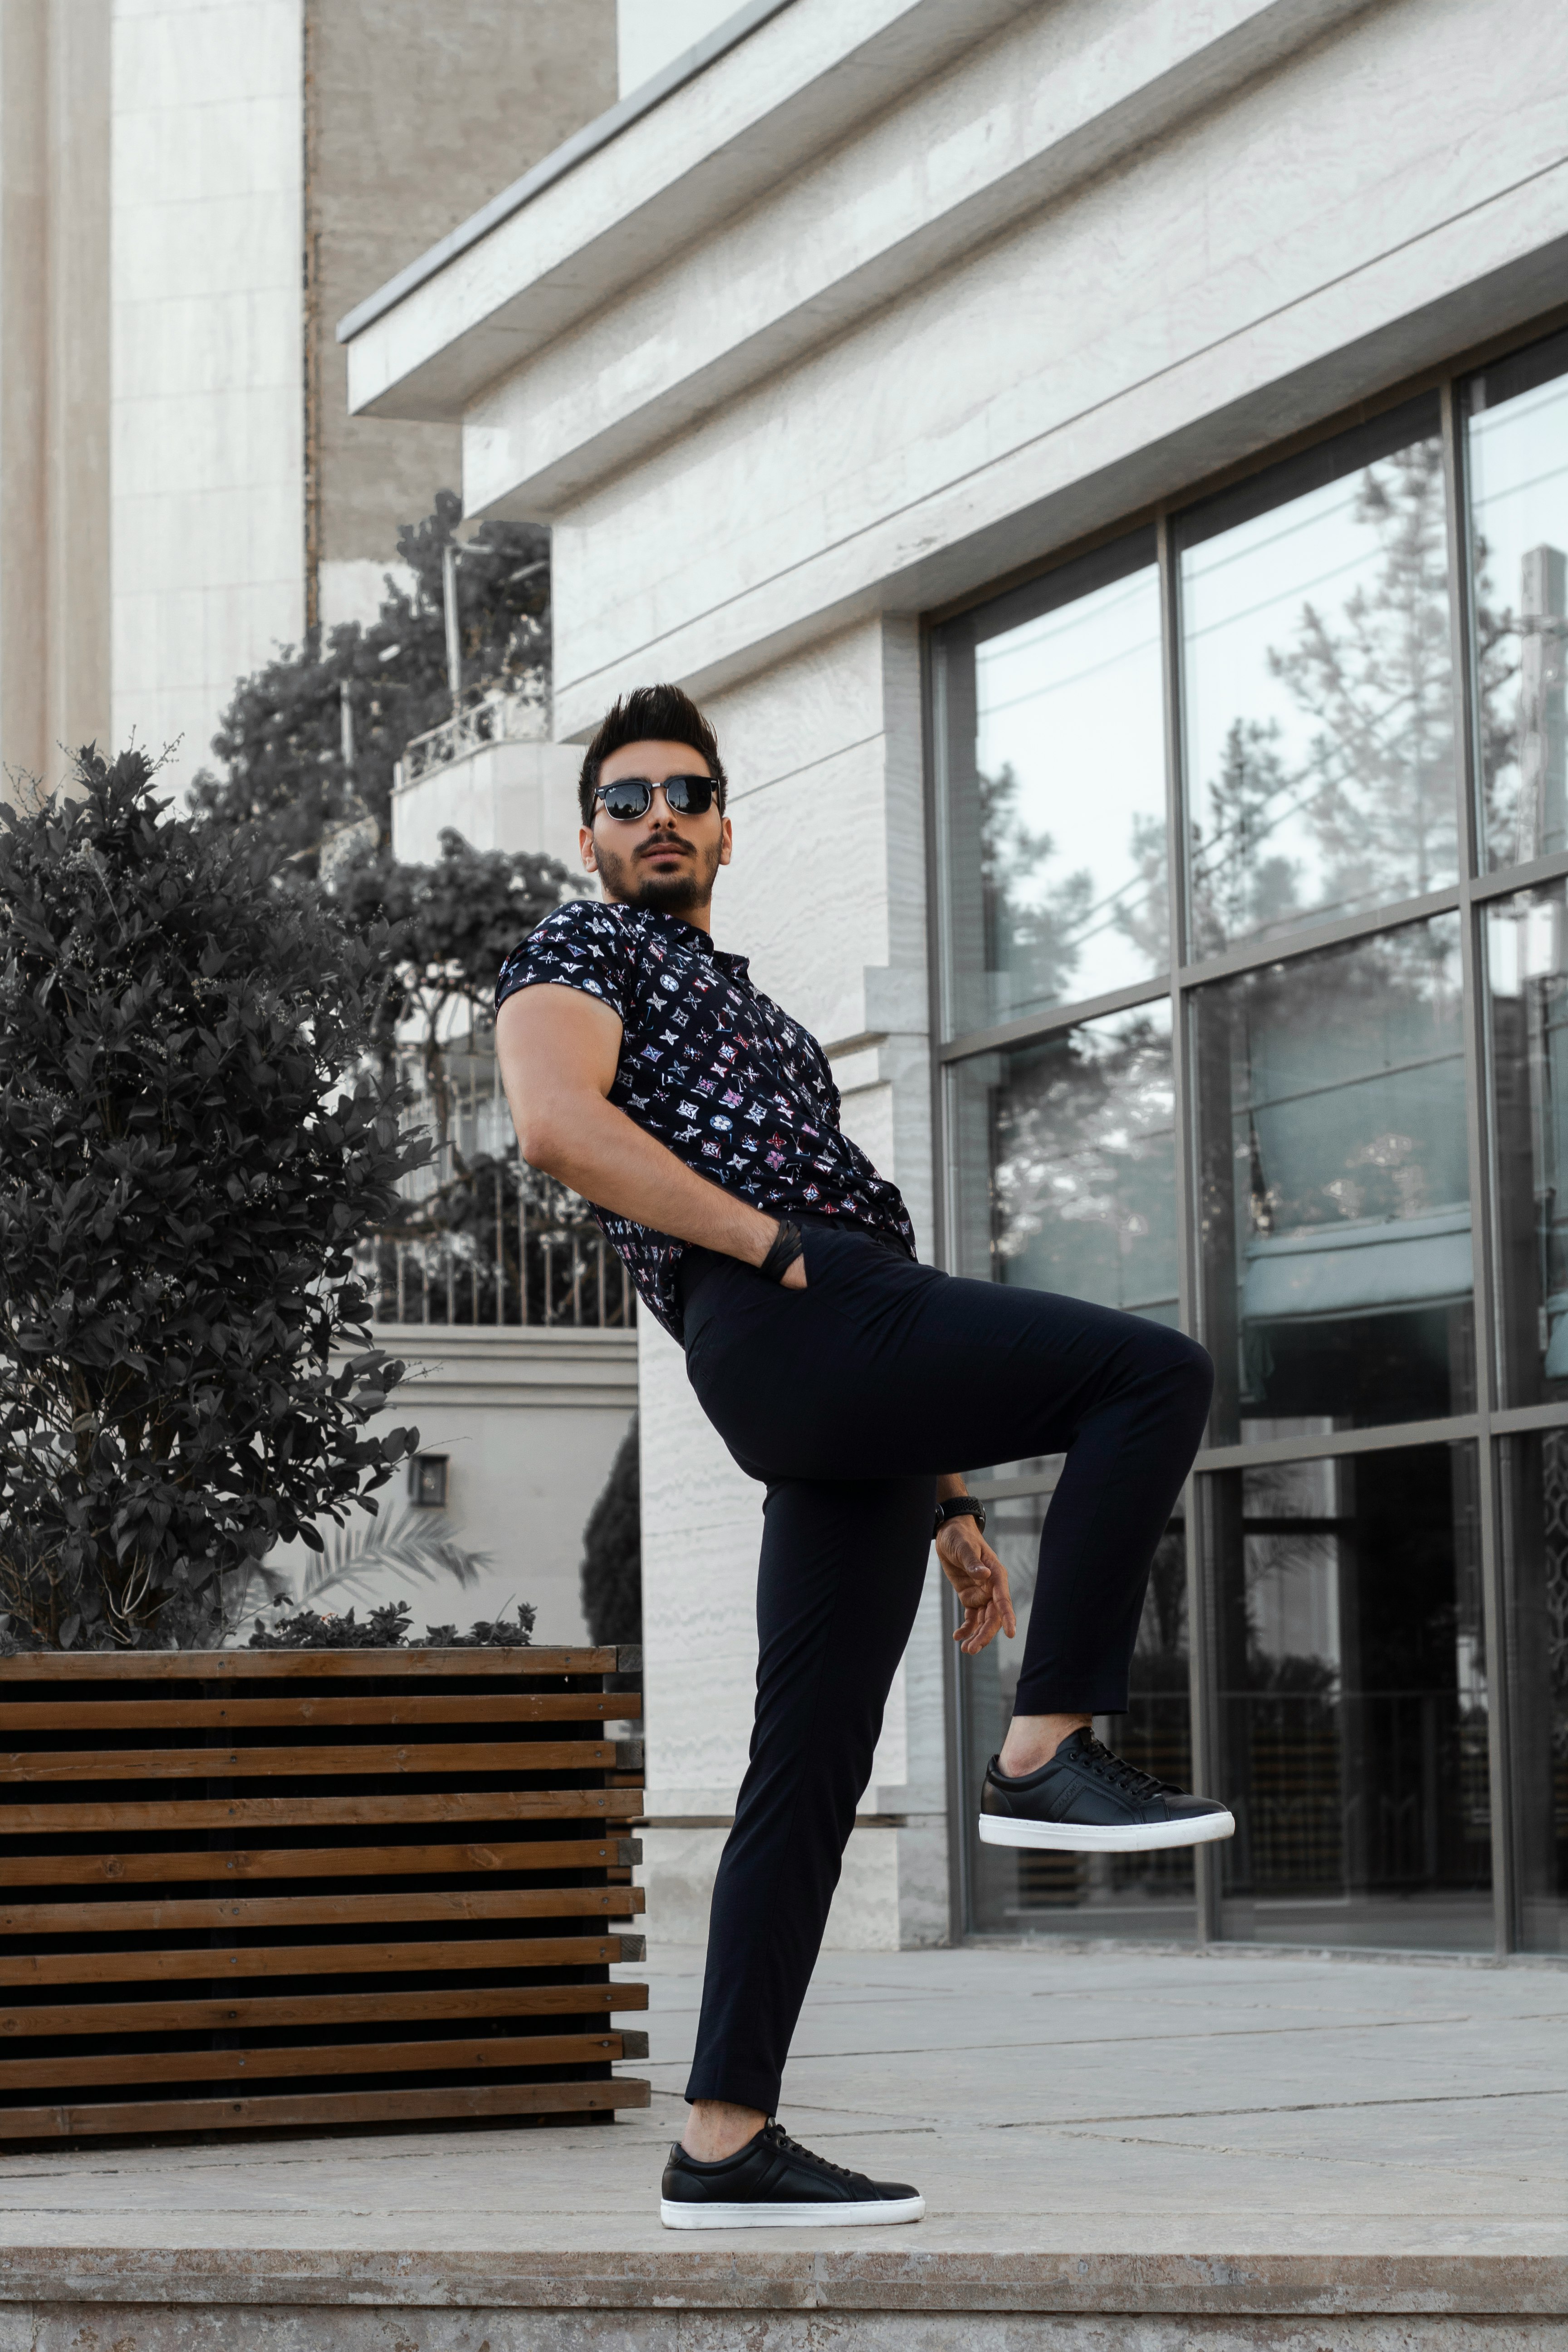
{"points": [[1082, 1159], [1375, 791], [1245, 890], [1511, 819], [1031, 934], [1314, 1141], [1145, 917], [1160, 1653]]}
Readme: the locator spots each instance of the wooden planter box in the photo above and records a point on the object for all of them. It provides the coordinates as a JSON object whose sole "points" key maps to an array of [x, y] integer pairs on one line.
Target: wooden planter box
{"points": [[310, 1889]]}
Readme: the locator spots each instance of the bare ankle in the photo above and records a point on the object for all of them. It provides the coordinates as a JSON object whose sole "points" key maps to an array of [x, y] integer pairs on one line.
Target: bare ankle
{"points": [[715, 2129], [1032, 1739]]}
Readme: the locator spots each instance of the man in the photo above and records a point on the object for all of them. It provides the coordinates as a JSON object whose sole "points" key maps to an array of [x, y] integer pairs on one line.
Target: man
{"points": [[645, 1070]]}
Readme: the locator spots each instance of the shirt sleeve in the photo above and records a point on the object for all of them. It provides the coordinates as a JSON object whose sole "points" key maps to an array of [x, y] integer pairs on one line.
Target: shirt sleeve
{"points": [[579, 946]]}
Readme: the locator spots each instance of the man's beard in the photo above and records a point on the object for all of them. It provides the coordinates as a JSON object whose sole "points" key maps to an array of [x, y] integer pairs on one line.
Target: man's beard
{"points": [[659, 894]]}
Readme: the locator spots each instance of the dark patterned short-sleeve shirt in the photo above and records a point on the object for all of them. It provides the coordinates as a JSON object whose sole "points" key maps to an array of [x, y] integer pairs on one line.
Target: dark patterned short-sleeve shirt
{"points": [[712, 1068]]}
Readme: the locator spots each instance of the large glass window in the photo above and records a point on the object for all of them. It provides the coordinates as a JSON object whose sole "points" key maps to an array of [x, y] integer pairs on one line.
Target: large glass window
{"points": [[1534, 1486], [1066, 1156], [1517, 448], [1352, 1699], [1318, 677], [1054, 803], [1017, 1893], [1332, 1141], [1334, 1202], [1527, 975]]}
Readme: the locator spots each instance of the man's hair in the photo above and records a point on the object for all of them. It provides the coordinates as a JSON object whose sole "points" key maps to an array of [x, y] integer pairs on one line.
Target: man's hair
{"points": [[651, 714]]}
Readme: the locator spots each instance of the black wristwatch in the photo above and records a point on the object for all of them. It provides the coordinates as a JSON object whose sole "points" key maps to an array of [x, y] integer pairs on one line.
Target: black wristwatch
{"points": [[958, 1506]]}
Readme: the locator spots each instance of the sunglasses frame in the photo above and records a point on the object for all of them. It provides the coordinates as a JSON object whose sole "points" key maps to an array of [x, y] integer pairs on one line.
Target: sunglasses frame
{"points": [[650, 786]]}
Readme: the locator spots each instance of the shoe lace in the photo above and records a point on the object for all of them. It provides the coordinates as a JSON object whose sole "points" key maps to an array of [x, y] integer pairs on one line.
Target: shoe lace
{"points": [[777, 2137], [1117, 1770]]}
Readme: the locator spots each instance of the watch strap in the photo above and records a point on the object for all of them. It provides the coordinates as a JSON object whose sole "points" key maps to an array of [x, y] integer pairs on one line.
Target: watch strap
{"points": [[783, 1250], [960, 1507]]}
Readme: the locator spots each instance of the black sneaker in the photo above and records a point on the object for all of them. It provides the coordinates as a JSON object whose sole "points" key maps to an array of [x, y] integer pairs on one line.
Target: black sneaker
{"points": [[773, 2183], [1087, 1801]]}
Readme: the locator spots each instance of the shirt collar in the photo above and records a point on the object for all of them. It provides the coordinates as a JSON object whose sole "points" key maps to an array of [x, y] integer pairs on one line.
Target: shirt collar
{"points": [[680, 933]]}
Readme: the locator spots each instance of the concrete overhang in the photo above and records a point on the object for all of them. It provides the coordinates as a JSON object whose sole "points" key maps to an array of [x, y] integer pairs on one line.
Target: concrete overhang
{"points": [[772, 85], [646, 286]]}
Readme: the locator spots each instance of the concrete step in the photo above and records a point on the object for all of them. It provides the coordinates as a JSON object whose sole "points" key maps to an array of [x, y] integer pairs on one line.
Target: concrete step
{"points": [[766, 2294]]}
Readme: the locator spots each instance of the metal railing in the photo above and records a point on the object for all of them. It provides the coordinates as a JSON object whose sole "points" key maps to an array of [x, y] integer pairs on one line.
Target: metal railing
{"points": [[485, 1240], [520, 717]]}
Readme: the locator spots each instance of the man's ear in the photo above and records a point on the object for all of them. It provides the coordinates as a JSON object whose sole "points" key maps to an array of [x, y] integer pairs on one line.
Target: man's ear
{"points": [[585, 849], [726, 843]]}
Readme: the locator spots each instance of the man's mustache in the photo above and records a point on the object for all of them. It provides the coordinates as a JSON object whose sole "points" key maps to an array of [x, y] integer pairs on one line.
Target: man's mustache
{"points": [[664, 841]]}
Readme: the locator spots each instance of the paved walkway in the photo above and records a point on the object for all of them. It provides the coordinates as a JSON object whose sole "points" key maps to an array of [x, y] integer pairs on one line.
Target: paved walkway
{"points": [[1115, 2102], [1121, 2152]]}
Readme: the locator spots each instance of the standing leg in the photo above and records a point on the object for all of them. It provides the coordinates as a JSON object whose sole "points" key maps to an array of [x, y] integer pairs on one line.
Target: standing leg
{"points": [[840, 1577]]}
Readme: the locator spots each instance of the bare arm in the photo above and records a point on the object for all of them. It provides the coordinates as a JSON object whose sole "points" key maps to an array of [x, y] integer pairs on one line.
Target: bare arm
{"points": [[558, 1050]]}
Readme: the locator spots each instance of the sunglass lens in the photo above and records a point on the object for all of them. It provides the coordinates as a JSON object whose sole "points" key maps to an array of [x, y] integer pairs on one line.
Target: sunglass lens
{"points": [[689, 795], [627, 800]]}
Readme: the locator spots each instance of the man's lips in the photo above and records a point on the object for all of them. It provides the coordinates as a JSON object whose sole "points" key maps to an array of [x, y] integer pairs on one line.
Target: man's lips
{"points": [[665, 849]]}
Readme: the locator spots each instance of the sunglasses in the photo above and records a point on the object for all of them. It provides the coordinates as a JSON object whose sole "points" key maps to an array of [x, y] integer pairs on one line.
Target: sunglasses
{"points": [[632, 796]]}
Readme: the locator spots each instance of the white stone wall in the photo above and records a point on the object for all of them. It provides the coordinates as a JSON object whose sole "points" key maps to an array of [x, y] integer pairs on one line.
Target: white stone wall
{"points": [[529, 1421], [1100, 254], [207, 429], [503, 796], [827, 897], [649, 33]]}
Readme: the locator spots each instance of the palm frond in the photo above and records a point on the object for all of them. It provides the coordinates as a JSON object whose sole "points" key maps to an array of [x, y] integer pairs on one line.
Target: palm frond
{"points": [[418, 1546]]}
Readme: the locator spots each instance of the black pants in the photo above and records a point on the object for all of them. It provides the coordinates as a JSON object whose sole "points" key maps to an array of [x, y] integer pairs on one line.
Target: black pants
{"points": [[847, 1399]]}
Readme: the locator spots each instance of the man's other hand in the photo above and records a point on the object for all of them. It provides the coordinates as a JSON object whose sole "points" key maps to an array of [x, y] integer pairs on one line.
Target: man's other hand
{"points": [[980, 1580]]}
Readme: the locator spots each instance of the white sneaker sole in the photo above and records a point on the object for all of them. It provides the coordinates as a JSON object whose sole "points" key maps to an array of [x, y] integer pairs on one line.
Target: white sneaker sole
{"points": [[679, 2216], [1072, 1837]]}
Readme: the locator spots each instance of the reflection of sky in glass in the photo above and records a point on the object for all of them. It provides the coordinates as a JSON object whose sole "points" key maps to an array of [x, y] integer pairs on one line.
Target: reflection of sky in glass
{"points": [[1348, 803], [1519, 502], [1071, 701]]}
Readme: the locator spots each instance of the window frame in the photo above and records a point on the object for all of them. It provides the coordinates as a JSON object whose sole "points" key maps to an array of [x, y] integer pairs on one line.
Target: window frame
{"points": [[1489, 1425]]}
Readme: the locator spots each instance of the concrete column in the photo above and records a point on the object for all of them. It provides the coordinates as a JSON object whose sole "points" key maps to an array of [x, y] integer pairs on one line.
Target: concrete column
{"points": [[54, 382], [823, 756], [208, 359]]}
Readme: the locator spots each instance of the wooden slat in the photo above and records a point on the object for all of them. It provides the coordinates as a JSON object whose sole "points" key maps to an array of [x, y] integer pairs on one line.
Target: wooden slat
{"points": [[252, 2015], [497, 2053], [209, 1963], [314, 1862], [322, 2108], [473, 1756], [180, 1915], [263, 1665], [182, 1816], [92, 1717]]}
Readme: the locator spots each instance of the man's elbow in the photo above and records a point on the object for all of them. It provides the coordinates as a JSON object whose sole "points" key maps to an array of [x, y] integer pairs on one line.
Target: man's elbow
{"points": [[536, 1139], [542, 1138]]}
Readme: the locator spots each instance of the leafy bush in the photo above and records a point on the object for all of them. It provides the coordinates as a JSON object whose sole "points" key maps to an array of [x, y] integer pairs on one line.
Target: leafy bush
{"points": [[185, 1172], [486, 1633], [612, 1552], [387, 1628]]}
